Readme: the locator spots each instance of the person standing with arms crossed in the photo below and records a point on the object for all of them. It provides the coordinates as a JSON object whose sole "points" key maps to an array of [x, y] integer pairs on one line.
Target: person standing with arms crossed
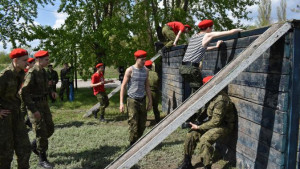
{"points": [[34, 93], [97, 83], [136, 76], [13, 133]]}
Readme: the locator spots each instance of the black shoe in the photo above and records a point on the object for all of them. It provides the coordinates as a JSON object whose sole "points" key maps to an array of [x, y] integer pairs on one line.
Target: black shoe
{"points": [[102, 119], [187, 164], [43, 162], [33, 147]]}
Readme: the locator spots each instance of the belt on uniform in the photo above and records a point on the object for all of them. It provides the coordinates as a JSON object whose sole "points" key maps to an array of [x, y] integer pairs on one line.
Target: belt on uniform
{"points": [[190, 64]]}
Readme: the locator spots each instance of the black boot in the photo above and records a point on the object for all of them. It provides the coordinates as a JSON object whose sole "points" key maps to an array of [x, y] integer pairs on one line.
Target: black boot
{"points": [[102, 119], [43, 162], [187, 164], [33, 147], [95, 113]]}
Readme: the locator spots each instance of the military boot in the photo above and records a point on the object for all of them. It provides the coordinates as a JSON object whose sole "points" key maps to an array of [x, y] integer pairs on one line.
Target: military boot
{"points": [[33, 147], [43, 162], [186, 164], [95, 113], [102, 119]]}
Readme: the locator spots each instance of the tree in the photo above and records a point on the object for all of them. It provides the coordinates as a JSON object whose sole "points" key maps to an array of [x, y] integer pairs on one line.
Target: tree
{"points": [[281, 11], [264, 13], [110, 31], [16, 18]]}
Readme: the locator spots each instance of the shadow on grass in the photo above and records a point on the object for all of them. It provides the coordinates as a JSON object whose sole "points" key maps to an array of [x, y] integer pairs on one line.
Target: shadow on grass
{"points": [[74, 123], [92, 159], [168, 144]]}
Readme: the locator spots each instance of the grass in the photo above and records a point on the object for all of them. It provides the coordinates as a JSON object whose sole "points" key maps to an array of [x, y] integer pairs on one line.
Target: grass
{"points": [[90, 144]]}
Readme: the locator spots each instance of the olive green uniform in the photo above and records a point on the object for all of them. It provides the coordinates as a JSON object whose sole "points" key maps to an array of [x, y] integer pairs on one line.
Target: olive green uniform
{"points": [[192, 75], [169, 35], [154, 86], [34, 93], [66, 79], [104, 102], [13, 133], [53, 77], [220, 113]]}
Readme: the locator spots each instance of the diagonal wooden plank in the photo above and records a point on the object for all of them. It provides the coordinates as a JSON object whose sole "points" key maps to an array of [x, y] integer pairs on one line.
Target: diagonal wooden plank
{"points": [[116, 90], [200, 98]]}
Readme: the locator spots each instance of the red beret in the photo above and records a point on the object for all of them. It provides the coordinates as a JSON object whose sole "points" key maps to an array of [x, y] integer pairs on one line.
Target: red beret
{"points": [[41, 53], [148, 63], [30, 60], [206, 79], [140, 53], [99, 65], [18, 52], [205, 24], [188, 26]]}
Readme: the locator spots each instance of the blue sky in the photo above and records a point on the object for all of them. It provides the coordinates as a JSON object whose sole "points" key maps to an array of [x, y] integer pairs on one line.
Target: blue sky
{"points": [[47, 15]]}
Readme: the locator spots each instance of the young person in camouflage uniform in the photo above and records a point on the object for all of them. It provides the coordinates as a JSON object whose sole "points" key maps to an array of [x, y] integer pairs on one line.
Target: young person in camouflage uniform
{"points": [[97, 83], [13, 133], [154, 87], [198, 45], [172, 31], [66, 78], [221, 120], [136, 76], [53, 80], [34, 93]]}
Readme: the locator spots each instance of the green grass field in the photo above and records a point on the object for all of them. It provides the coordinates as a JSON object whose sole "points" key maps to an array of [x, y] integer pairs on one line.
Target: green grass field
{"points": [[90, 144]]}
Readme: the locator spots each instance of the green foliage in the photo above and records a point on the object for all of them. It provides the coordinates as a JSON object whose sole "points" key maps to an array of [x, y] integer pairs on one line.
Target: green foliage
{"points": [[16, 18], [4, 58], [264, 13], [111, 31]]}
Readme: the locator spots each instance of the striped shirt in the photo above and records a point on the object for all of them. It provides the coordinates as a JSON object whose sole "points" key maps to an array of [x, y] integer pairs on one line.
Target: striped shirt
{"points": [[195, 51], [137, 83]]}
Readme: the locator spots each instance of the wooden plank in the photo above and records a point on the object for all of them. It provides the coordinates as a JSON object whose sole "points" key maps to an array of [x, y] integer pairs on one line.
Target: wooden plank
{"points": [[260, 150], [170, 71], [168, 87], [276, 100], [269, 118], [264, 135], [272, 82], [261, 65], [171, 84], [172, 77]]}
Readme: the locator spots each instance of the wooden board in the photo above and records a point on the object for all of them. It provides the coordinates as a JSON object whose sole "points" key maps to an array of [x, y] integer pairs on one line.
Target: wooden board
{"points": [[271, 119]]}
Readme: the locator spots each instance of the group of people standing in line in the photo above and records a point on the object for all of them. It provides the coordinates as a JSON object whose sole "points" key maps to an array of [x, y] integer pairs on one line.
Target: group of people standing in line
{"points": [[34, 87]]}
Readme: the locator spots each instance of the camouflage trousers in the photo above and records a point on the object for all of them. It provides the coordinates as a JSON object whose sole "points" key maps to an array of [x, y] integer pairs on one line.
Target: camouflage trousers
{"points": [[169, 35], [192, 75], [103, 100], [206, 139], [14, 137], [65, 86], [155, 99], [137, 118], [43, 128]]}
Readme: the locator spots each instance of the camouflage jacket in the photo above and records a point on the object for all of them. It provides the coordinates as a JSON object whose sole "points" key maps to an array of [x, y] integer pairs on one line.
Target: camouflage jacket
{"points": [[153, 80], [35, 86], [220, 112], [10, 84], [52, 75]]}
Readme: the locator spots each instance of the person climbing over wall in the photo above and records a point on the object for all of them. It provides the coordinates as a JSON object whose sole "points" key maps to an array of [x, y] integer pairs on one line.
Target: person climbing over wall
{"points": [[198, 45]]}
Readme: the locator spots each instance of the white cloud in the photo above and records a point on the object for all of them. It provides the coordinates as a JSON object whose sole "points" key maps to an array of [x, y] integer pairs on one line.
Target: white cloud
{"points": [[60, 19]]}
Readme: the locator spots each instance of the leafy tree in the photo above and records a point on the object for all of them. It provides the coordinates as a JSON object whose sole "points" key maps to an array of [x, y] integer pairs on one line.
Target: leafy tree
{"points": [[264, 13], [110, 31], [16, 16], [281, 11]]}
